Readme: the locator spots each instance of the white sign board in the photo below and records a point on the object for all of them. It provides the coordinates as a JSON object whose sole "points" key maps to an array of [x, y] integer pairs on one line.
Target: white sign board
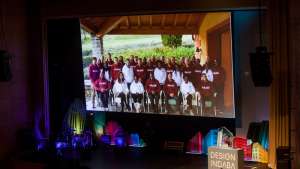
{"points": [[225, 158]]}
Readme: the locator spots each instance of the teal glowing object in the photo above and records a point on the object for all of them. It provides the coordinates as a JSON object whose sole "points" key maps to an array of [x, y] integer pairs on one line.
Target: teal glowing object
{"points": [[99, 123]]}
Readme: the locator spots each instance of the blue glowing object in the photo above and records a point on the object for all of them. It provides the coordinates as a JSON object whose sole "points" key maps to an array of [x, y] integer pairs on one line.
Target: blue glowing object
{"points": [[61, 145], [210, 139], [41, 146], [135, 139], [106, 139], [120, 141]]}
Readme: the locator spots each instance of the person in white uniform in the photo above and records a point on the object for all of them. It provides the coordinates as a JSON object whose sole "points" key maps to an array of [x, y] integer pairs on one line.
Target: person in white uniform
{"points": [[187, 89], [137, 92], [177, 76], [208, 72], [160, 74], [120, 90], [127, 70]]}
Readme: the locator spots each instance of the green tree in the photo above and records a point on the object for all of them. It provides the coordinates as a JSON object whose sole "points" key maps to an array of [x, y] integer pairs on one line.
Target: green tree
{"points": [[172, 41]]}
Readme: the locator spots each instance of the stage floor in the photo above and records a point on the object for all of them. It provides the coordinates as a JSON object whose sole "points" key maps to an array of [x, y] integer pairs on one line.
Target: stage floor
{"points": [[137, 159]]}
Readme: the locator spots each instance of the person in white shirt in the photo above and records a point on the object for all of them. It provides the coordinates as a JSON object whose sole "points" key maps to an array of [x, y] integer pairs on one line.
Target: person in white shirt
{"points": [[137, 92], [120, 89], [177, 76], [160, 74], [208, 72], [187, 89], [127, 70], [106, 71]]}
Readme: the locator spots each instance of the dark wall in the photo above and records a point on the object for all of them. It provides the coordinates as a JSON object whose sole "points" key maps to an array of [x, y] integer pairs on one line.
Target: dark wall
{"points": [[65, 68], [78, 8], [252, 102], [14, 94]]}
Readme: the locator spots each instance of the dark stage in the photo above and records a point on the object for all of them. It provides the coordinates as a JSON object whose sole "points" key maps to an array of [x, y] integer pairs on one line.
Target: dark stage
{"points": [[108, 158]]}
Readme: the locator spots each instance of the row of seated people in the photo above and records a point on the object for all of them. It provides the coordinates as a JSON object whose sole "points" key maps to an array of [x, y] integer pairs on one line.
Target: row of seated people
{"points": [[152, 93], [159, 69]]}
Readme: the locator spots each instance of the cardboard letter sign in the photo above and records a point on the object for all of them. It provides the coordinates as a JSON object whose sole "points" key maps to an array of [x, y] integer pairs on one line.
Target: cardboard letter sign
{"points": [[225, 158]]}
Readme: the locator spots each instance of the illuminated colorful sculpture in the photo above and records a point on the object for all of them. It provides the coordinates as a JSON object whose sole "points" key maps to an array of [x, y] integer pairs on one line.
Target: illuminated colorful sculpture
{"points": [[113, 129], [76, 117], [210, 139], [195, 144], [259, 153], [136, 141]]}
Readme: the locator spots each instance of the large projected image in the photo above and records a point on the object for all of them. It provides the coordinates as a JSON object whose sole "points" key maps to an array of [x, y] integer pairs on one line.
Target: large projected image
{"points": [[175, 64]]}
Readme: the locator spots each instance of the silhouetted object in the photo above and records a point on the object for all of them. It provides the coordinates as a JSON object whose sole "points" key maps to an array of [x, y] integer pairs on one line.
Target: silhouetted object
{"points": [[25, 139], [283, 157], [259, 132], [5, 72], [260, 67]]}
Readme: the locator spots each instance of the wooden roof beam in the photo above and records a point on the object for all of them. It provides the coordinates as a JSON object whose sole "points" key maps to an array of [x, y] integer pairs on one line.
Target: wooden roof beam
{"points": [[157, 30], [87, 26], [163, 20], [127, 21], [109, 25], [139, 21], [175, 20], [150, 20], [188, 20]]}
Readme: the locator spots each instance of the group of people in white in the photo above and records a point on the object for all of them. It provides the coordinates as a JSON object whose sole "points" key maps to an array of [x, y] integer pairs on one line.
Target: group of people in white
{"points": [[136, 83]]}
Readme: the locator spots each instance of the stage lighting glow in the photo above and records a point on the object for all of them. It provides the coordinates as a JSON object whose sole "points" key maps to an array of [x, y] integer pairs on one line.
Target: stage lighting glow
{"points": [[99, 122], [61, 145], [264, 135], [120, 141], [76, 116], [106, 139], [113, 129], [41, 144], [99, 131], [78, 123], [76, 141], [41, 128]]}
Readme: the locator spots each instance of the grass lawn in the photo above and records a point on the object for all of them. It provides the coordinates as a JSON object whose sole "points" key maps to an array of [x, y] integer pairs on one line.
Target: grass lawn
{"points": [[140, 45], [117, 44]]}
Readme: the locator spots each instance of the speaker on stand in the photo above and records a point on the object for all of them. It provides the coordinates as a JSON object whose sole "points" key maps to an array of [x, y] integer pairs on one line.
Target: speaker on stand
{"points": [[260, 67], [283, 158]]}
